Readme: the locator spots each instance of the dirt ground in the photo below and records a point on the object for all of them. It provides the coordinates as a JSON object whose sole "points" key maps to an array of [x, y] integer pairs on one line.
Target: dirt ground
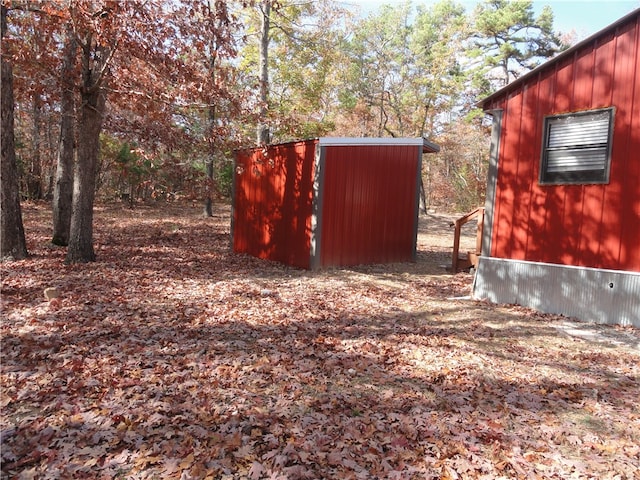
{"points": [[436, 235], [172, 357]]}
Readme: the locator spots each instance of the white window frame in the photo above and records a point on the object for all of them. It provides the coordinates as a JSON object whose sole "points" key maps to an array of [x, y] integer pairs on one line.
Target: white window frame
{"points": [[576, 147]]}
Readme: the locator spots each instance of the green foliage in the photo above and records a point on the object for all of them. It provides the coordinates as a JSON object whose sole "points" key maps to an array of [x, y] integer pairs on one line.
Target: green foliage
{"points": [[225, 179], [509, 40], [404, 69], [455, 178], [133, 167], [124, 168], [305, 59]]}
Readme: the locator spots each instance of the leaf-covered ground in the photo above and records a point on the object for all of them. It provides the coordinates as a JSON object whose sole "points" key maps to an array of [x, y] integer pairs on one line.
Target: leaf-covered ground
{"points": [[171, 357]]}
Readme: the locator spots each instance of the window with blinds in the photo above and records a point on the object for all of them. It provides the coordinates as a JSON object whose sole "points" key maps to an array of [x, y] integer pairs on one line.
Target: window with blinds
{"points": [[577, 147]]}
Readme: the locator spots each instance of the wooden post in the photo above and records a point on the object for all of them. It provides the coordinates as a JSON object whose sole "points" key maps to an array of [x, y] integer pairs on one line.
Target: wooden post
{"points": [[456, 247], [479, 231], [455, 260]]}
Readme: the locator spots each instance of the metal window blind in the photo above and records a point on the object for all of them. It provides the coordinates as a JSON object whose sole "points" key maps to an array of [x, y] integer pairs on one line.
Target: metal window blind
{"points": [[578, 143]]}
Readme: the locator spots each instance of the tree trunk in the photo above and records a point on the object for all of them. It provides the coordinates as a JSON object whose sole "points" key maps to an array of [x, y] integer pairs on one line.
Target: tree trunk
{"points": [[210, 181], [263, 128], [34, 179], [208, 203], [63, 189], [50, 174], [84, 180], [12, 240]]}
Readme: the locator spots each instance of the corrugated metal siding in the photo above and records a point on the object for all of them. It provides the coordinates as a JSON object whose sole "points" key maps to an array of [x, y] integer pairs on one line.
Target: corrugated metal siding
{"points": [[369, 204], [273, 202], [598, 295], [585, 225]]}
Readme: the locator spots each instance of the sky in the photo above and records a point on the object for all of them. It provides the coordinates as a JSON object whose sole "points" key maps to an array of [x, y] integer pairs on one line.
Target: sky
{"points": [[585, 17]]}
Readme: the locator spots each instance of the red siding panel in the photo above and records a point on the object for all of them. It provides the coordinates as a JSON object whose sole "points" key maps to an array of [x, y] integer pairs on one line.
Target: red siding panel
{"points": [[564, 80], [583, 71], [627, 153], [528, 153], [273, 202], [507, 180], [589, 251], [605, 244], [563, 228], [365, 197], [538, 244], [586, 225], [603, 71], [369, 204]]}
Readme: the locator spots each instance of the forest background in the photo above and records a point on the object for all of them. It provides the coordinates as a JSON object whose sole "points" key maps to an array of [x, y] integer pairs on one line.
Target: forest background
{"points": [[139, 101], [172, 357]]}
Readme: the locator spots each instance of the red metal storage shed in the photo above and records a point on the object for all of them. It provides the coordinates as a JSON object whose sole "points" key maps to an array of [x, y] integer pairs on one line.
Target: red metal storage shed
{"points": [[562, 224], [329, 201]]}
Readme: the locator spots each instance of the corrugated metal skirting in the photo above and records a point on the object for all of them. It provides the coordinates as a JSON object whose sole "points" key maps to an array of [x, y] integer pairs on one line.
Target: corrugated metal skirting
{"points": [[590, 294]]}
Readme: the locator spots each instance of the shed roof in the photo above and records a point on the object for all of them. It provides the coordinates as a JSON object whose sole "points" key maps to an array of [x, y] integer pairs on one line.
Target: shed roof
{"points": [[427, 146], [632, 16]]}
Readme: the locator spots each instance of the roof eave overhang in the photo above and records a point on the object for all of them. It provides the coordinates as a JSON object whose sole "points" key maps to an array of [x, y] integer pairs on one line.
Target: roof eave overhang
{"points": [[427, 146]]}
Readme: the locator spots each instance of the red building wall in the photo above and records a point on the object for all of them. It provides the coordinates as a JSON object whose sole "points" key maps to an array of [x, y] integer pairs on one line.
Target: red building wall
{"points": [[272, 204], [369, 204], [362, 209], [584, 225]]}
